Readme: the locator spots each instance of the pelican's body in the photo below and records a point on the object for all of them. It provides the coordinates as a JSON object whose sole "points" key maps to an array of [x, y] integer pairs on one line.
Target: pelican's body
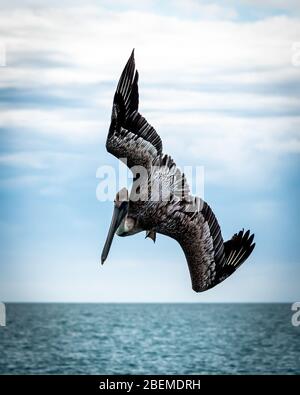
{"points": [[160, 200]]}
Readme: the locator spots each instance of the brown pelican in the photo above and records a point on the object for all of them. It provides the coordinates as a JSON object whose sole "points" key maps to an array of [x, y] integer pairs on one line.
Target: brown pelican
{"points": [[185, 218]]}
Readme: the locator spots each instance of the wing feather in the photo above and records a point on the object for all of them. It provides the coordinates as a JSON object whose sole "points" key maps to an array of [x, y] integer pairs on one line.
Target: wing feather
{"points": [[191, 221], [130, 136]]}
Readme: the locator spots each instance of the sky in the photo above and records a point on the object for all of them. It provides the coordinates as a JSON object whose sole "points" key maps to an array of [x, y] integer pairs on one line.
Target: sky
{"points": [[220, 83]]}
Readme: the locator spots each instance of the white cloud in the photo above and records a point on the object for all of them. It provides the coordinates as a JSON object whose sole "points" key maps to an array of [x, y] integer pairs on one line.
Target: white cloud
{"points": [[185, 101], [194, 8], [22, 159], [64, 123], [227, 123], [22, 181], [38, 160], [234, 150], [98, 42], [288, 5]]}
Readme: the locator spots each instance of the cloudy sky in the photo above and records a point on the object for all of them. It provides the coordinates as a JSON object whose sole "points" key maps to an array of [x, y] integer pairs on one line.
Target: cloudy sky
{"points": [[220, 83]]}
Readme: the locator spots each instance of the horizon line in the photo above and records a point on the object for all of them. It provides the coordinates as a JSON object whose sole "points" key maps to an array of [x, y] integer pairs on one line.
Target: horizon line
{"points": [[140, 303]]}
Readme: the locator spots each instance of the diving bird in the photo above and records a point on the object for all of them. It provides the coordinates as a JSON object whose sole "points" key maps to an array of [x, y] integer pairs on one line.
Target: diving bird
{"points": [[160, 200]]}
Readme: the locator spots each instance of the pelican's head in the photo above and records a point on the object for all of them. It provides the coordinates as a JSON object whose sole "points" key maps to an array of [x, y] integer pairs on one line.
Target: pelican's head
{"points": [[122, 224], [129, 224]]}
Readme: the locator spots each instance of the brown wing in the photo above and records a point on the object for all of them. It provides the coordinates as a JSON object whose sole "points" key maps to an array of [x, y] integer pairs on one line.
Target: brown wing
{"points": [[209, 259], [130, 136], [191, 222]]}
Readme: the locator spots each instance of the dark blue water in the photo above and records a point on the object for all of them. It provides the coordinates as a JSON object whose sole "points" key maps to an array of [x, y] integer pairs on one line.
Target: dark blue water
{"points": [[149, 339]]}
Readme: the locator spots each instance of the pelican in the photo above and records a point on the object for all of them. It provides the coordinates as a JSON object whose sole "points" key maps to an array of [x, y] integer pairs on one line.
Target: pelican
{"points": [[187, 219]]}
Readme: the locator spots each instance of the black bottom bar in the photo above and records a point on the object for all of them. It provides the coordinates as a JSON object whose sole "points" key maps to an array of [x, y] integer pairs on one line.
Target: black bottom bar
{"points": [[94, 384]]}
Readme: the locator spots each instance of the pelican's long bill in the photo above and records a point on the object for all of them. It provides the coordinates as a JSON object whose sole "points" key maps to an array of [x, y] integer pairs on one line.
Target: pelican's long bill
{"points": [[119, 213]]}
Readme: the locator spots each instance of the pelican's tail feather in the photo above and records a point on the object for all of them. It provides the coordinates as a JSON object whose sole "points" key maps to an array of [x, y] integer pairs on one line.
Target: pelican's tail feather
{"points": [[236, 250]]}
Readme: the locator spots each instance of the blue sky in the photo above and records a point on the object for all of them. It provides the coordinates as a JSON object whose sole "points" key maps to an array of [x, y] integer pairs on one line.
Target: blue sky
{"points": [[217, 82]]}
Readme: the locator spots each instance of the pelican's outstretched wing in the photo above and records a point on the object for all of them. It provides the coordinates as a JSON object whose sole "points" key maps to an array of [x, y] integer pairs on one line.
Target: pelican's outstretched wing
{"points": [[191, 222], [130, 135], [209, 259]]}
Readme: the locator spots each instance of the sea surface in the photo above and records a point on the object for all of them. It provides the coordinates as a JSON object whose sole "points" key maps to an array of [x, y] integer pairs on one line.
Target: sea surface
{"points": [[149, 339]]}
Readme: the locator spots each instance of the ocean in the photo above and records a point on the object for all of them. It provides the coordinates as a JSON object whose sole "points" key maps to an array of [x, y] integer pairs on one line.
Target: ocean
{"points": [[149, 339]]}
